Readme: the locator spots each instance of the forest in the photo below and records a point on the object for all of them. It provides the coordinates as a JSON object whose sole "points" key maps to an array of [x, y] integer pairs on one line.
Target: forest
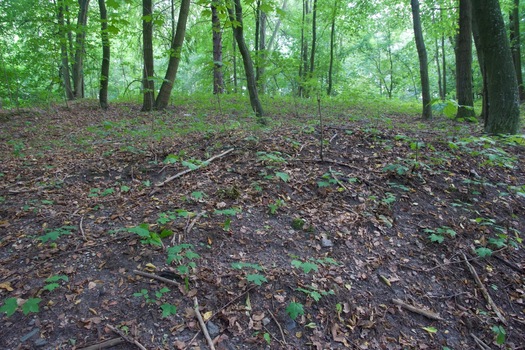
{"points": [[262, 174]]}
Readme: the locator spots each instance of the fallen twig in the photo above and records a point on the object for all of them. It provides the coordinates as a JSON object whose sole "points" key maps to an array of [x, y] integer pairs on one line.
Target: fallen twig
{"points": [[150, 275], [202, 324], [426, 313], [481, 343], [126, 338], [105, 344], [484, 290], [336, 178], [278, 325], [171, 178], [81, 228]]}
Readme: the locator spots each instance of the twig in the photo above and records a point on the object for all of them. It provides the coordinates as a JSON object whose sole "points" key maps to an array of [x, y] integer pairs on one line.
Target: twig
{"points": [[484, 290], [126, 338], [233, 300], [332, 138], [149, 275], [188, 227], [336, 179], [105, 344], [171, 178], [480, 343], [278, 325], [81, 228], [202, 324], [426, 313]]}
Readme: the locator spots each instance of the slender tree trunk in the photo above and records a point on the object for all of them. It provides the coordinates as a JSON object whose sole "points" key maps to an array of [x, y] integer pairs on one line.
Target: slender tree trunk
{"points": [[314, 38], [444, 59], [234, 63], [236, 16], [64, 68], [78, 66], [218, 77], [303, 66], [261, 54], [515, 45], [175, 53], [148, 84], [502, 85], [104, 75], [331, 64], [464, 62], [276, 29], [423, 61], [438, 65]]}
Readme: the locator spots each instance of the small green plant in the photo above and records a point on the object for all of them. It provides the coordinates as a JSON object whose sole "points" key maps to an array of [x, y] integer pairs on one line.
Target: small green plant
{"points": [[255, 278], [306, 266], [144, 293], [267, 338], [56, 233], [166, 217], [168, 310], [273, 207], [183, 255], [18, 148], [388, 199], [298, 224], [150, 237], [271, 158], [198, 195], [11, 305], [283, 176], [397, 168], [94, 192], [52, 282], [294, 310], [438, 234], [227, 212], [500, 334], [314, 293]]}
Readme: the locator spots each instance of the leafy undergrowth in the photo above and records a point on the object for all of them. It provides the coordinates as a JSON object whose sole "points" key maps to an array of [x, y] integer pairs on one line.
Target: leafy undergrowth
{"points": [[281, 249]]}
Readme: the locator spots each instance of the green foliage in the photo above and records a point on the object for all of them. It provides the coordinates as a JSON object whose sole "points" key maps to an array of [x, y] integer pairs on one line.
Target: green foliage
{"points": [[483, 252], [271, 158], [149, 299], [294, 310], [51, 282], [256, 278], [397, 168], [314, 293], [56, 233], [273, 207], [148, 237], [183, 255], [298, 224], [283, 176], [438, 235], [500, 334], [9, 307], [168, 310], [166, 217], [306, 266]]}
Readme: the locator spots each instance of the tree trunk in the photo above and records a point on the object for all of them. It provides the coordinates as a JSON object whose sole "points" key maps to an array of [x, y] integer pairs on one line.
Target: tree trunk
{"points": [[515, 45], [104, 75], [423, 62], [234, 63], [78, 67], [64, 68], [261, 52], [314, 39], [331, 64], [502, 86], [481, 61], [236, 16], [438, 65], [148, 84], [218, 77], [175, 53], [464, 62], [276, 29]]}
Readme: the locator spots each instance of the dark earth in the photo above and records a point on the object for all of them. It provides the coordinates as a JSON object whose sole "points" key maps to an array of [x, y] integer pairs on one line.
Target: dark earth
{"points": [[390, 214]]}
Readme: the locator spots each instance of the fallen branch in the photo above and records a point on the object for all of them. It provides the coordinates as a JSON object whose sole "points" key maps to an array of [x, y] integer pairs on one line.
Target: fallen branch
{"points": [[150, 275], [480, 343], [278, 325], [484, 290], [126, 338], [171, 178], [336, 178], [417, 310], [105, 344], [202, 324]]}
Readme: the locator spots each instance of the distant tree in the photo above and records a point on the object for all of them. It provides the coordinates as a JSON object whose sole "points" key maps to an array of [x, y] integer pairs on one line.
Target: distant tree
{"points": [[104, 74], [502, 87], [515, 45], [175, 55], [78, 64], [235, 13], [218, 76], [463, 52], [423, 61], [64, 55], [148, 85]]}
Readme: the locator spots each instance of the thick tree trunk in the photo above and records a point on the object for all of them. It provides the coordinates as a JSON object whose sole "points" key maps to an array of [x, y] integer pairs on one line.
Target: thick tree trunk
{"points": [[175, 53], [64, 68], [423, 61], [502, 86], [464, 62], [104, 74], [515, 45], [218, 77], [78, 65], [148, 84], [236, 16]]}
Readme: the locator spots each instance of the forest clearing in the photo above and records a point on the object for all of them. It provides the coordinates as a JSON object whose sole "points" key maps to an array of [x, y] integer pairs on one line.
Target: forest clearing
{"points": [[402, 233]]}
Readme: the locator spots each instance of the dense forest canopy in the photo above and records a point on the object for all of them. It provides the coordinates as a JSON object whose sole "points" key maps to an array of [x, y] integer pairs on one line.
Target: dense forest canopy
{"points": [[51, 50]]}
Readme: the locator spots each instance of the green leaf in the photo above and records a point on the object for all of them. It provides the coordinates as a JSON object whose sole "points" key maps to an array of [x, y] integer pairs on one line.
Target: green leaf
{"points": [[57, 278], [9, 307], [256, 279], [227, 212], [267, 338], [197, 195], [436, 238], [283, 176], [171, 159], [483, 252], [142, 230], [430, 330], [294, 309], [31, 305], [305, 266], [50, 287], [189, 165], [500, 334], [168, 310]]}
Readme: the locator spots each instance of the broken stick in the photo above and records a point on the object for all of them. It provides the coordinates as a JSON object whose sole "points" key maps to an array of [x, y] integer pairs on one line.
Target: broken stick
{"points": [[202, 324], [426, 313]]}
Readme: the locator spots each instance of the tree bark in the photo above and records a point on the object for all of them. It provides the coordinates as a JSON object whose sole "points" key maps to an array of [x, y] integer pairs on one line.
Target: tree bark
{"points": [[502, 86], [237, 24], [464, 62], [314, 38], [148, 84], [260, 49], [515, 45], [218, 76], [104, 74], [481, 61], [331, 63], [64, 68], [423, 61], [78, 66], [175, 53]]}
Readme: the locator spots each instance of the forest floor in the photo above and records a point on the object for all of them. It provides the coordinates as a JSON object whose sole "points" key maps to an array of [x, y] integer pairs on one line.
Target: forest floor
{"points": [[395, 235]]}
